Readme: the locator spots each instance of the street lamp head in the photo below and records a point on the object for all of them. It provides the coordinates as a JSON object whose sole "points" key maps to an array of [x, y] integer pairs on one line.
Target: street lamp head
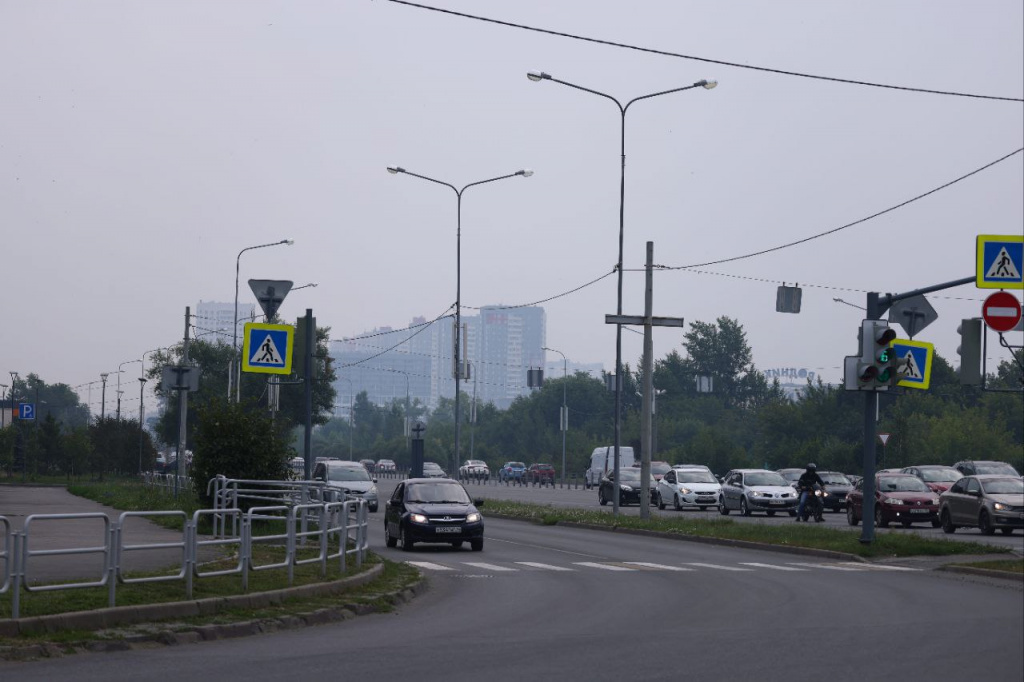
{"points": [[104, 375], [537, 76], [526, 172], [142, 380], [394, 170], [289, 242], [707, 85]]}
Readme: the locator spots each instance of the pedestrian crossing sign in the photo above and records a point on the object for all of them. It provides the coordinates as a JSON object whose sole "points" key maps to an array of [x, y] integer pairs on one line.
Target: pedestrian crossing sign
{"points": [[1000, 261], [267, 348], [917, 372]]}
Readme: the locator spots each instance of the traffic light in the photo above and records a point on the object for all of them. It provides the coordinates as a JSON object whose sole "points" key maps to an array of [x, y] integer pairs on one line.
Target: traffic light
{"points": [[875, 370], [969, 351], [897, 367]]}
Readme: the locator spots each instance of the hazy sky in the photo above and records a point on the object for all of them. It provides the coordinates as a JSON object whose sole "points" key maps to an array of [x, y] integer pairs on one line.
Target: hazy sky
{"points": [[144, 144]]}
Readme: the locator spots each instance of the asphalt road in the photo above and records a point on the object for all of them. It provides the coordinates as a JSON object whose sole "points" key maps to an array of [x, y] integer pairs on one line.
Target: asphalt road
{"points": [[551, 603], [587, 499]]}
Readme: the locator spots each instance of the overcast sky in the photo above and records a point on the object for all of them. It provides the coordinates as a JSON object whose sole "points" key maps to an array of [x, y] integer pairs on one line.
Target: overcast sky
{"points": [[144, 144]]}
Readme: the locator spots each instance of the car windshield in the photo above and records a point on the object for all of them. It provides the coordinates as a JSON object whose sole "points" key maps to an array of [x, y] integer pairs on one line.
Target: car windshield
{"points": [[629, 475], [660, 468], [475, 463], [995, 468], [834, 479], [1003, 486], [432, 466], [436, 493], [764, 478], [516, 465], [695, 477], [792, 475], [347, 474], [943, 475], [901, 484], [545, 467]]}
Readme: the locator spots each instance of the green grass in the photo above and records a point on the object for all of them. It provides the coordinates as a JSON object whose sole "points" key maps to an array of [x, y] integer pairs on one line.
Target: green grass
{"points": [[134, 496], [789, 535], [1009, 565]]}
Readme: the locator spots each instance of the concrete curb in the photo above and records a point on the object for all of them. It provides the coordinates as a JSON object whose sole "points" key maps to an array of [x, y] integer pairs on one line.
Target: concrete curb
{"points": [[202, 633], [987, 572]]}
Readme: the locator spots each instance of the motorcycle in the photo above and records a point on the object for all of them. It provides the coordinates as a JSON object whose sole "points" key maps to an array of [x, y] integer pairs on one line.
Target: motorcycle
{"points": [[815, 505]]}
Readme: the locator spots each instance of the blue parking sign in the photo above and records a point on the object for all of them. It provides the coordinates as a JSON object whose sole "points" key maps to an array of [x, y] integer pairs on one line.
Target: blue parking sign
{"points": [[26, 411]]}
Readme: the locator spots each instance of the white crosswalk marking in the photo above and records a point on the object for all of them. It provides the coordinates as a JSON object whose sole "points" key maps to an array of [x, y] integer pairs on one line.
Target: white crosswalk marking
{"points": [[720, 568], [659, 567], [774, 567], [489, 567], [879, 567], [832, 567], [429, 566], [604, 567], [546, 567]]}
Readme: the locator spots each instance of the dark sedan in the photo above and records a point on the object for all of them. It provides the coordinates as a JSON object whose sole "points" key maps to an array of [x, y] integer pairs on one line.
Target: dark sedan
{"points": [[629, 487], [433, 510]]}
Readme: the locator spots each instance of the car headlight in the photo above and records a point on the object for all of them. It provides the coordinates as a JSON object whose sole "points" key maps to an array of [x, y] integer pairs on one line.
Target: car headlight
{"points": [[418, 518], [625, 488], [999, 506], [372, 491], [757, 494], [473, 518], [685, 491], [892, 500]]}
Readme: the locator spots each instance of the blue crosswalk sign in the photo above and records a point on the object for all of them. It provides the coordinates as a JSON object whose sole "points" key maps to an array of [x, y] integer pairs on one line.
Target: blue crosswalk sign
{"points": [[267, 348], [1000, 261], [917, 373], [26, 411]]}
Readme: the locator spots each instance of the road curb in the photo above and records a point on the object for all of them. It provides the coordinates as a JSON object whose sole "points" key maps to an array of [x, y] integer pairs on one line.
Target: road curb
{"points": [[987, 572], [203, 633]]}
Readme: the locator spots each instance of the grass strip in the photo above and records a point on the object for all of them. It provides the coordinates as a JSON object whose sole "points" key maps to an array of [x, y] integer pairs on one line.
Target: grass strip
{"points": [[1008, 565], [885, 545]]}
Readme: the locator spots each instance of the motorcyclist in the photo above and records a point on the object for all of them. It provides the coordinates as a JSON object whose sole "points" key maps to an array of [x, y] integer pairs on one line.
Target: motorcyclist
{"points": [[805, 484]]}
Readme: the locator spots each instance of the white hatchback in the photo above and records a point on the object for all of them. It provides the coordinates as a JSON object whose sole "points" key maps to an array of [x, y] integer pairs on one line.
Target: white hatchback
{"points": [[688, 488]]}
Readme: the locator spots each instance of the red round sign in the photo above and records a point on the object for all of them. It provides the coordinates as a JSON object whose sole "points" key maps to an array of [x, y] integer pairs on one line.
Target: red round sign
{"points": [[1001, 311]]}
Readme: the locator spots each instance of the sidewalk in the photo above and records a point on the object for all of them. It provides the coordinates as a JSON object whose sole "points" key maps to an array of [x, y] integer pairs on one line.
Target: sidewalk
{"points": [[19, 502]]}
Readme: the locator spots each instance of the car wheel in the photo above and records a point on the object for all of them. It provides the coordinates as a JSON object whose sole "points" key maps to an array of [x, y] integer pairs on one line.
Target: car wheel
{"points": [[373, 509], [388, 540], [770, 512], [906, 524], [936, 523], [985, 524], [477, 545], [851, 518], [1006, 531], [457, 544], [879, 519], [947, 523], [744, 509], [792, 512], [661, 503], [600, 497], [676, 503], [722, 509], [703, 508], [407, 542]]}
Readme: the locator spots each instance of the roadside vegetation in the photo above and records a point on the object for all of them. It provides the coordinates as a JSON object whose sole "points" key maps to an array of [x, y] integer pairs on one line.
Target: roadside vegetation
{"points": [[1009, 565], [788, 535]]}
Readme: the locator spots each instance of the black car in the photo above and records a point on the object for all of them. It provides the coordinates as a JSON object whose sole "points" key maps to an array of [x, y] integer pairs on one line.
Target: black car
{"points": [[838, 486], [629, 487], [437, 510]]}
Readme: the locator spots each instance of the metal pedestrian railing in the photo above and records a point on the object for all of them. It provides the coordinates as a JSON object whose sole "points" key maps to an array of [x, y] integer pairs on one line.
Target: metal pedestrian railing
{"points": [[344, 523]]}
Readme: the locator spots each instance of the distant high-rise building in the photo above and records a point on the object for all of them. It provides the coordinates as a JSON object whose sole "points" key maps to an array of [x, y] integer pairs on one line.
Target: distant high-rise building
{"points": [[214, 321]]}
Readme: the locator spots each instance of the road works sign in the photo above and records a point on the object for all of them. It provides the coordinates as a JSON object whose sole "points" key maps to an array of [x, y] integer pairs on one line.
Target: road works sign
{"points": [[917, 373], [267, 348], [1000, 261]]}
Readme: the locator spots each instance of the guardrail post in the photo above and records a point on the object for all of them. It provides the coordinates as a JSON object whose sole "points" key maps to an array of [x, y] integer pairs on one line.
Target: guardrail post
{"points": [[246, 550], [290, 546], [190, 555], [324, 524], [114, 542], [17, 571], [361, 532], [344, 536]]}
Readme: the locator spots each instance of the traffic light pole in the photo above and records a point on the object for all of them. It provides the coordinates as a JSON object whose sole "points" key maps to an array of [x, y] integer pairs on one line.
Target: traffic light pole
{"points": [[877, 306]]}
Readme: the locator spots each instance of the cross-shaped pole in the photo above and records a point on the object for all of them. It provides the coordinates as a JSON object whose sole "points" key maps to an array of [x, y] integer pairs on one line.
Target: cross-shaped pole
{"points": [[649, 322]]}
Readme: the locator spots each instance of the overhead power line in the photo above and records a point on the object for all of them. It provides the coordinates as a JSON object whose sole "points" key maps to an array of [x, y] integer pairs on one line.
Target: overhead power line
{"points": [[706, 60]]}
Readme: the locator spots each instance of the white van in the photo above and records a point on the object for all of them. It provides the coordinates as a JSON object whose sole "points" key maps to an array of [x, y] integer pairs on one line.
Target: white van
{"points": [[602, 461]]}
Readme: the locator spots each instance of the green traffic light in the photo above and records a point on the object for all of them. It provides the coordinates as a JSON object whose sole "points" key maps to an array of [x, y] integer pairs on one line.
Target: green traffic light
{"points": [[883, 378]]}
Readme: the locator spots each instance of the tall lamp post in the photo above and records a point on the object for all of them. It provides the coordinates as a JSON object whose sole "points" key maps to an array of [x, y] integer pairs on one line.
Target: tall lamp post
{"points": [[142, 385], [3, 415], [459, 369], [236, 372], [126, 362], [563, 422], [537, 76], [103, 395]]}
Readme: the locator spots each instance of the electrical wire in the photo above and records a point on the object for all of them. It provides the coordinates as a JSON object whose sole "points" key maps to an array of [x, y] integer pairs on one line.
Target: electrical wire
{"points": [[421, 330], [543, 300], [665, 53]]}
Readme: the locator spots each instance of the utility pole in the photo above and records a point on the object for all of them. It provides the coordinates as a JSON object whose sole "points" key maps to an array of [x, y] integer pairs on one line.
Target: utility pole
{"points": [[182, 409]]}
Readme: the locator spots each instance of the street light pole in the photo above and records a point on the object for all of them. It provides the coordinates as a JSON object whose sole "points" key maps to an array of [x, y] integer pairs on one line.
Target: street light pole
{"points": [[537, 76], [236, 371], [458, 284], [126, 362], [103, 395], [563, 421], [3, 415], [142, 385]]}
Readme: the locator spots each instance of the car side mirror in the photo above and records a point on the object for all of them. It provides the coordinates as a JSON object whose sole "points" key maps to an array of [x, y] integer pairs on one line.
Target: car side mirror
{"points": [[373, 480], [478, 502]]}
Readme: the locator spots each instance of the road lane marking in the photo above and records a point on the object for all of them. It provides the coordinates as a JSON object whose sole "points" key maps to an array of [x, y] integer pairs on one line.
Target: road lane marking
{"points": [[831, 567], [717, 567], [429, 566], [774, 567], [603, 567], [489, 567], [658, 567], [878, 567], [546, 567]]}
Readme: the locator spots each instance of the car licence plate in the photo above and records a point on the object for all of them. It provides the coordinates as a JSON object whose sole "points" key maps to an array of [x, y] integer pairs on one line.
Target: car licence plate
{"points": [[919, 511], [778, 501], [447, 529]]}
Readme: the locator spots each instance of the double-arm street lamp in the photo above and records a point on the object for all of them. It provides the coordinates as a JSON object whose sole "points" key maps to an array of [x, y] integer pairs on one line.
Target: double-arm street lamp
{"points": [[563, 421], [537, 76], [237, 374], [119, 370], [459, 369]]}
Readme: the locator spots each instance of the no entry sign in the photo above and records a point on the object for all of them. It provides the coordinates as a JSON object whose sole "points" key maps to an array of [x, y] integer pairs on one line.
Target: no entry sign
{"points": [[1001, 311]]}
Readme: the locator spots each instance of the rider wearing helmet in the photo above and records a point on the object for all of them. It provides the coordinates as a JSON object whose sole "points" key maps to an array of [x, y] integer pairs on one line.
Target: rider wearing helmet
{"points": [[805, 484]]}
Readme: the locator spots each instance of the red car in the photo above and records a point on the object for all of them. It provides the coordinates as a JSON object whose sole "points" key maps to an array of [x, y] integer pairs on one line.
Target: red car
{"points": [[938, 478], [898, 498], [540, 473]]}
